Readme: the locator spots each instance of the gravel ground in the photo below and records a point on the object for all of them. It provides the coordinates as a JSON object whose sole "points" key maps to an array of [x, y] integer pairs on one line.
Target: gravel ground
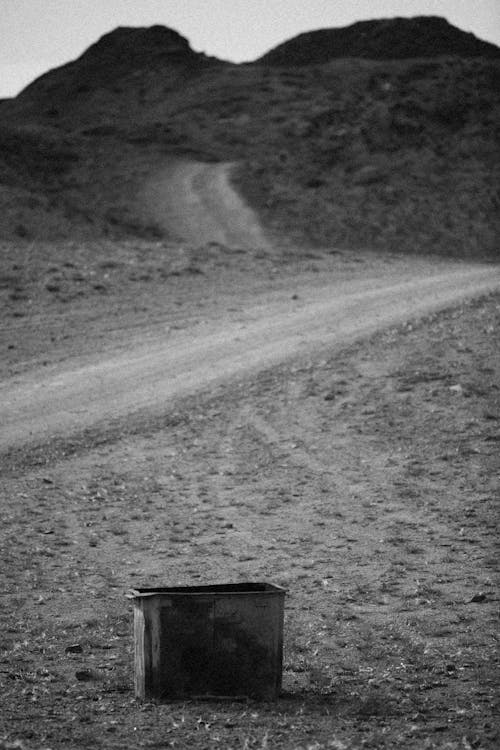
{"points": [[363, 479]]}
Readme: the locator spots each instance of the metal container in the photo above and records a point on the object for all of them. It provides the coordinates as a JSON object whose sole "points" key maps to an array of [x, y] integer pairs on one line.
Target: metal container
{"points": [[223, 641]]}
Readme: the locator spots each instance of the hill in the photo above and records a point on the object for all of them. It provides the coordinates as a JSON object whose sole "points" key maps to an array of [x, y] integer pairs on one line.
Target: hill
{"points": [[385, 39], [351, 153], [126, 57]]}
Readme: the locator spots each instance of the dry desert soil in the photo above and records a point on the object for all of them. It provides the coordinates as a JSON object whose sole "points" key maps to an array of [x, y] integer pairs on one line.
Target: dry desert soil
{"points": [[230, 410]]}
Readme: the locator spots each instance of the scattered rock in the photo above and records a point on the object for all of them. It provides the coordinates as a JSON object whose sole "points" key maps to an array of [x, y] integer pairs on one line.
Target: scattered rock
{"points": [[74, 648], [479, 598], [367, 175], [86, 675]]}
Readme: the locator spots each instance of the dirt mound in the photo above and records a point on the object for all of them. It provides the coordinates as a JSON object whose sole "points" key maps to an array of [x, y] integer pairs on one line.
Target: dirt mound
{"points": [[384, 39]]}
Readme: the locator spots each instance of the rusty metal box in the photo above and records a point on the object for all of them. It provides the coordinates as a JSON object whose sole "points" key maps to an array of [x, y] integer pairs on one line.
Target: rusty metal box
{"points": [[223, 640]]}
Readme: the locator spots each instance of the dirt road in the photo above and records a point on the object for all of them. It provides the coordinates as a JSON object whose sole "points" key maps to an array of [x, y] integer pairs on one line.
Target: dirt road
{"points": [[195, 202], [65, 399]]}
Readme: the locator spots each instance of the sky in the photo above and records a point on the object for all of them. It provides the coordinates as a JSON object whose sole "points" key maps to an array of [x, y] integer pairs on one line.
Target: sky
{"points": [[37, 35]]}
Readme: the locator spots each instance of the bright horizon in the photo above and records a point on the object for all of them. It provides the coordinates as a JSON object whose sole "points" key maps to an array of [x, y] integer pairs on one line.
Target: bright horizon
{"points": [[38, 35]]}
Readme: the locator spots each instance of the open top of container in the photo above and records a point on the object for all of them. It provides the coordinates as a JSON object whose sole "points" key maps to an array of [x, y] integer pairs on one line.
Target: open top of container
{"points": [[222, 589]]}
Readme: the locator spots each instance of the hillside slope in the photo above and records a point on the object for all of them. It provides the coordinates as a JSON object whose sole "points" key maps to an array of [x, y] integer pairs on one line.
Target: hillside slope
{"points": [[394, 154]]}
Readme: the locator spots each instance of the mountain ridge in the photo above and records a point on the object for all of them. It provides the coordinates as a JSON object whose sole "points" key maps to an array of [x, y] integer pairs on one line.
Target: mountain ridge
{"points": [[123, 52], [381, 39], [129, 49]]}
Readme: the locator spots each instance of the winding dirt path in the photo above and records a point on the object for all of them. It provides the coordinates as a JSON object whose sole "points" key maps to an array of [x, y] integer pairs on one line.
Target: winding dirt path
{"points": [[41, 404], [196, 203]]}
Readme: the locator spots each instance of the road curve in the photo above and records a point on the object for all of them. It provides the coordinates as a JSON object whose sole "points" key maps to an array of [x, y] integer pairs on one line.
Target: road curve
{"points": [[40, 405], [196, 202]]}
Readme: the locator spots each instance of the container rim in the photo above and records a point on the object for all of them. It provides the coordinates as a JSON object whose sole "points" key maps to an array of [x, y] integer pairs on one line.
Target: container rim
{"points": [[220, 589]]}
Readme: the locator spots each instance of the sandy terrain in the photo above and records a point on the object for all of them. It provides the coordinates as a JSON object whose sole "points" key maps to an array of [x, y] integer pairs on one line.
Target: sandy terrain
{"points": [[332, 430]]}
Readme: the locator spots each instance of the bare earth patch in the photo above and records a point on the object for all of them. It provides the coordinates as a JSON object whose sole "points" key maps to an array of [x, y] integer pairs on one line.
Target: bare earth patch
{"points": [[104, 356], [364, 479]]}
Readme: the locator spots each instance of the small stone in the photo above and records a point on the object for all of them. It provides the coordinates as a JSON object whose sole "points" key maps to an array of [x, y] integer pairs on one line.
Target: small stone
{"points": [[74, 648], [85, 675], [368, 175], [479, 598]]}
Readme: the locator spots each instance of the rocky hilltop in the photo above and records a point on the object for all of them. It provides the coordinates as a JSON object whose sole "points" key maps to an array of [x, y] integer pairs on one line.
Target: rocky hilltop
{"points": [[116, 58], [385, 39]]}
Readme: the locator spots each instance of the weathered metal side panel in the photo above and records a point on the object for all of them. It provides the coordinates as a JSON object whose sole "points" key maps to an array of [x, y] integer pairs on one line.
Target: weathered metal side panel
{"points": [[140, 650], [155, 645], [185, 658], [247, 647]]}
